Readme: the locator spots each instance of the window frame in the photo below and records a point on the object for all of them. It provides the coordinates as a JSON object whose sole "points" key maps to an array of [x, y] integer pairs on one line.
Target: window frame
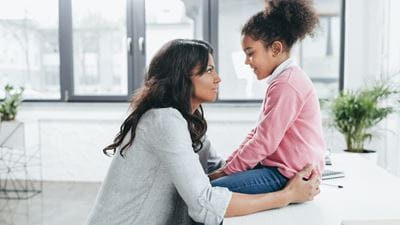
{"points": [[135, 10]]}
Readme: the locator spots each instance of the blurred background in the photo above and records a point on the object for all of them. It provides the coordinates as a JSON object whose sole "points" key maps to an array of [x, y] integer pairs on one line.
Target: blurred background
{"points": [[79, 61]]}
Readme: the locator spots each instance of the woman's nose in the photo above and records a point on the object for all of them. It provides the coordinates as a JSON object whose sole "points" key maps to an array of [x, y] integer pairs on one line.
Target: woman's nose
{"points": [[217, 78]]}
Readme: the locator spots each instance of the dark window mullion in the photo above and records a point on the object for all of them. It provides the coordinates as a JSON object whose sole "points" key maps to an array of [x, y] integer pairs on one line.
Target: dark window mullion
{"points": [[342, 44], [207, 20], [212, 30], [138, 42], [100, 98], [129, 36], [66, 50]]}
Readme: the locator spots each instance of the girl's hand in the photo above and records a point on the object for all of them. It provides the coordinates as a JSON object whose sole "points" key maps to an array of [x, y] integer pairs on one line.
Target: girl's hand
{"points": [[299, 189], [217, 174]]}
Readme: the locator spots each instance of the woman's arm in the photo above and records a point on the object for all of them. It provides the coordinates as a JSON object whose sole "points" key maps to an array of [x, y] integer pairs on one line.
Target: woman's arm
{"points": [[170, 141], [214, 161], [296, 191]]}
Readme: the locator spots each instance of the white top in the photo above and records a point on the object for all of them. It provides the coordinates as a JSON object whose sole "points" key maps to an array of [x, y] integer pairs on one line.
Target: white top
{"points": [[161, 180]]}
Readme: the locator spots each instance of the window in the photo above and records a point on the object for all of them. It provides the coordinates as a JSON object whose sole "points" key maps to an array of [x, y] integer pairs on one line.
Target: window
{"points": [[238, 80], [318, 56], [29, 48], [171, 19], [97, 50], [99, 47]]}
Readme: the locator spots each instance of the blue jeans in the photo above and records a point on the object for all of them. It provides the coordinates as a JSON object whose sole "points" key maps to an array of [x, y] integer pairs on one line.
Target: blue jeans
{"points": [[261, 179]]}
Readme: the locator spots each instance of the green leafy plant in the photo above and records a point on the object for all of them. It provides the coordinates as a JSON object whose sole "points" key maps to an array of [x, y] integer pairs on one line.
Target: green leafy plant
{"points": [[8, 106], [355, 112]]}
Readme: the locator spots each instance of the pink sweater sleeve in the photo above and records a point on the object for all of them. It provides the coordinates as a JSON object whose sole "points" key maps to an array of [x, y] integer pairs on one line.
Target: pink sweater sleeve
{"points": [[282, 105]]}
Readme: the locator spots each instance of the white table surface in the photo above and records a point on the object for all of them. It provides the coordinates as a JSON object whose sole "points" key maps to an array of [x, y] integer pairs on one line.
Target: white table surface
{"points": [[369, 193]]}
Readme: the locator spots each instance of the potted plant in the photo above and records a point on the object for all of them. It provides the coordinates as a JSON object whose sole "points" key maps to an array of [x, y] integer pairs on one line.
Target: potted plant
{"points": [[8, 106], [8, 112], [355, 112], [17, 181]]}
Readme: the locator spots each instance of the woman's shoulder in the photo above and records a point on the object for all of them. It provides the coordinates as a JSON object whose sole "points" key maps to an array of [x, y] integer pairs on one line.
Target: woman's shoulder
{"points": [[159, 118], [162, 113], [163, 127]]}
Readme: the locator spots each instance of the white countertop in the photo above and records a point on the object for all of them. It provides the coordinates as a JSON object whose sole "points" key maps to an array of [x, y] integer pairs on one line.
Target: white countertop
{"points": [[369, 193]]}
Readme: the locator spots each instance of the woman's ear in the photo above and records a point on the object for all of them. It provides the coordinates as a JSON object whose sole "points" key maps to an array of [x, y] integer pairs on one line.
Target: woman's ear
{"points": [[277, 48]]}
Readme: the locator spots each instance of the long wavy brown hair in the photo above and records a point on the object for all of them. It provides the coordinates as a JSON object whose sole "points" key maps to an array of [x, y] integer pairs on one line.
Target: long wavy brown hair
{"points": [[168, 84]]}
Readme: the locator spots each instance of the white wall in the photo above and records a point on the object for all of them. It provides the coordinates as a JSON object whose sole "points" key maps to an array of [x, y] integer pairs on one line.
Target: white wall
{"points": [[362, 52], [373, 53], [72, 135]]}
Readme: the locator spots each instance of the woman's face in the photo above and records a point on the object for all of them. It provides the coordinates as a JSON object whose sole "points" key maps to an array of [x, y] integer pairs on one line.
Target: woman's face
{"points": [[259, 58], [205, 85]]}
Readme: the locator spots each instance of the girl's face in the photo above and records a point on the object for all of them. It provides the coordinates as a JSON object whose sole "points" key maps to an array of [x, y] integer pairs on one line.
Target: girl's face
{"points": [[205, 85], [263, 61]]}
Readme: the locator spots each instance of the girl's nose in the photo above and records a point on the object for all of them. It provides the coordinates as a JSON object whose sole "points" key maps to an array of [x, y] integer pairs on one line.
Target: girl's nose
{"points": [[246, 61]]}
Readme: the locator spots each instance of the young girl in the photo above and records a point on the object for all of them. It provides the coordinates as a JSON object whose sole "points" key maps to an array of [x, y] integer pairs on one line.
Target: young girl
{"points": [[289, 130], [158, 173]]}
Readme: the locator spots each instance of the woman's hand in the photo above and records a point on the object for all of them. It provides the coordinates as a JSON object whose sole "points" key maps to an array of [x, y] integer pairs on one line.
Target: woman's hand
{"points": [[217, 174], [299, 189]]}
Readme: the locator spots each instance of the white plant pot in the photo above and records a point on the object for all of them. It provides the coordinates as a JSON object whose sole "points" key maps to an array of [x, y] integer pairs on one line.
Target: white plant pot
{"points": [[12, 134]]}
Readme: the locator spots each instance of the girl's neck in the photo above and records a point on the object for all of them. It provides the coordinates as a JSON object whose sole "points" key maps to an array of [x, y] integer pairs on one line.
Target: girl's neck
{"points": [[282, 58]]}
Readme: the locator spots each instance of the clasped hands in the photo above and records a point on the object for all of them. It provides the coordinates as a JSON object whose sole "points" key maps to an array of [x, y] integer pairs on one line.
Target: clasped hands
{"points": [[301, 187]]}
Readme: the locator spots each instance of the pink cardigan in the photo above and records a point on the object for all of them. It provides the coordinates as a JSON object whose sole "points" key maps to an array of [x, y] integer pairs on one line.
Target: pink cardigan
{"points": [[289, 133]]}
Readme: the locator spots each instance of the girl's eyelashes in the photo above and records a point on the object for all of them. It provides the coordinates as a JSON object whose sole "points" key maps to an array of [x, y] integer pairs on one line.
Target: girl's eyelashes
{"points": [[249, 54]]}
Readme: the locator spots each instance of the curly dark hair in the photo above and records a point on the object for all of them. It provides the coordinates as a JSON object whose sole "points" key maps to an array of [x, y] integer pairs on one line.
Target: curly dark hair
{"points": [[282, 20], [168, 84]]}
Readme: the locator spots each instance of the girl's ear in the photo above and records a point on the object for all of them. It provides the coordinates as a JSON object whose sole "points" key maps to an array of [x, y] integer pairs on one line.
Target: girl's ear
{"points": [[277, 48]]}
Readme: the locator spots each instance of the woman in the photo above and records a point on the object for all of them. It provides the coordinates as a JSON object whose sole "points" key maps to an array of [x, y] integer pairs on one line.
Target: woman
{"points": [[158, 175]]}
